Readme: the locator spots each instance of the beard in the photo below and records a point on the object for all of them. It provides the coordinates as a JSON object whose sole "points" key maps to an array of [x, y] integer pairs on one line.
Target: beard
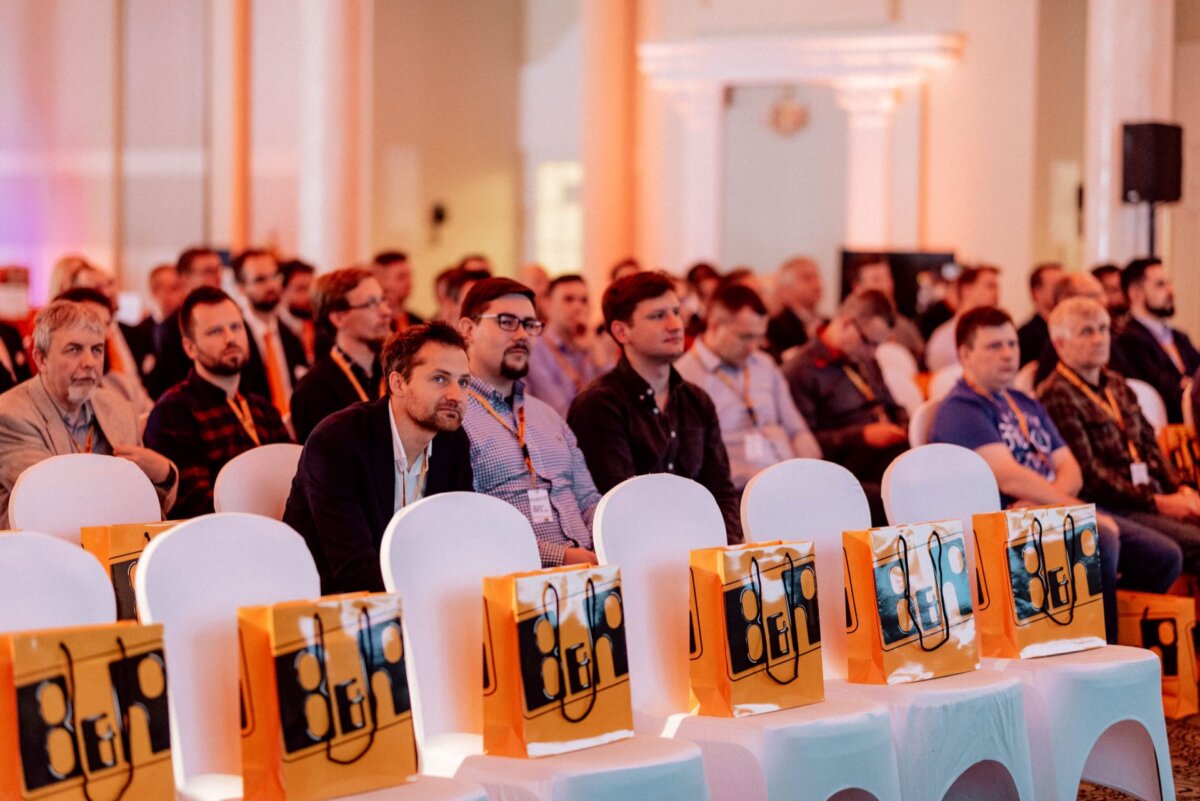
{"points": [[446, 417], [1163, 312], [227, 365], [299, 312], [80, 393], [514, 371], [266, 304]]}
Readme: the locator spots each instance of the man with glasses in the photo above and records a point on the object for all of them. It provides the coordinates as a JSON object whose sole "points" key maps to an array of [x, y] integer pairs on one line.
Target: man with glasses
{"points": [[350, 303], [838, 388], [522, 451]]}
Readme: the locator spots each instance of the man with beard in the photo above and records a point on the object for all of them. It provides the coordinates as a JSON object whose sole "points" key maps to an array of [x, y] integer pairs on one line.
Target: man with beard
{"points": [[394, 273], [365, 462], [560, 362], [276, 358], [210, 417], [1150, 349], [522, 451], [349, 302], [296, 306], [642, 416], [63, 409], [196, 267]]}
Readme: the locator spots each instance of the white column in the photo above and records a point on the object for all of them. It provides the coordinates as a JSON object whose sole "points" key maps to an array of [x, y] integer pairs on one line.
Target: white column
{"points": [[701, 105], [1130, 58], [869, 106], [330, 116], [228, 201]]}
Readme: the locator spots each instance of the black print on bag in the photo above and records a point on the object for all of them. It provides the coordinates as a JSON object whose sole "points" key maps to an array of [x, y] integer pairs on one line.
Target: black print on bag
{"points": [[320, 706], [695, 636], [1161, 635], [771, 620], [58, 746], [122, 574], [909, 612], [1046, 577], [560, 660]]}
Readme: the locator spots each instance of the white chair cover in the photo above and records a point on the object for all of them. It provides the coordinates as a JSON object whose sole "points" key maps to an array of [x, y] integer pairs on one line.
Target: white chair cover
{"points": [[964, 732], [943, 381], [1106, 701], [257, 481], [1151, 403], [47, 583], [1024, 378], [899, 369], [193, 579], [921, 423], [649, 525], [62, 494], [436, 553]]}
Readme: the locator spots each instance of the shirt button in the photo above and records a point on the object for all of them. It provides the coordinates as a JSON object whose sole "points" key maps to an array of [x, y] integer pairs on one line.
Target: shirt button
{"points": [[670, 465], [672, 435], [656, 411]]}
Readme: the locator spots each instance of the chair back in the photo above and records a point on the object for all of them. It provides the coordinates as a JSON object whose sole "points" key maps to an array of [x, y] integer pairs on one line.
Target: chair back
{"points": [[257, 481], [435, 554], [62, 494], [943, 381], [1150, 402], [649, 525], [811, 499], [899, 369], [1189, 414], [47, 583], [921, 423], [193, 579], [1024, 379]]}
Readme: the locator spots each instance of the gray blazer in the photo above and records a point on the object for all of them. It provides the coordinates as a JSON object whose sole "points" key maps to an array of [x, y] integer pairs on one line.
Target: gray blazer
{"points": [[31, 429]]}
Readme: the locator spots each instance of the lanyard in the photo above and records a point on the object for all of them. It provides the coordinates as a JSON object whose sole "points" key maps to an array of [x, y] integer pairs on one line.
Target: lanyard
{"points": [[241, 410], [724, 378], [1022, 422], [1108, 404], [865, 390], [341, 361], [420, 479], [519, 433], [567, 367]]}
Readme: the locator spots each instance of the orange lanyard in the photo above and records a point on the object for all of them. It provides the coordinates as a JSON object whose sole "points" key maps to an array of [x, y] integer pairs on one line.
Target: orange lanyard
{"points": [[519, 433], [566, 366], [1021, 421], [1108, 404], [724, 378], [341, 361], [241, 410], [420, 479], [865, 390]]}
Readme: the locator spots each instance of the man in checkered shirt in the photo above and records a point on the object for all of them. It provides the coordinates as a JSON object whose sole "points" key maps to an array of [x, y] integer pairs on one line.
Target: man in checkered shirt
{"points": [[522, 451]]}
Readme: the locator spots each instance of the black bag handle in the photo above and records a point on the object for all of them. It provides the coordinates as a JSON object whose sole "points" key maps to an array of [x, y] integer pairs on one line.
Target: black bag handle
{"points": [[589, 609], [366, 659], [756, 588], [122, 718], [1071, 543], [943, 612]]}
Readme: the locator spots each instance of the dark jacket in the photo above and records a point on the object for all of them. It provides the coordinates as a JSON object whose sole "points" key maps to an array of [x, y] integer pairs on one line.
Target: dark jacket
{"points": [[16, 352], [344, 491], [171, 364], [1143, 358], [1032, 337], [254, 374], [325, 389]]}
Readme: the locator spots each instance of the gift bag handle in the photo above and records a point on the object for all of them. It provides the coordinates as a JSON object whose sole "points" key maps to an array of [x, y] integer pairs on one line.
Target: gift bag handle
{"points": [[1071, 543], [366, 658], [589, 602], [756, 588], [122, 717], [943, 612]]}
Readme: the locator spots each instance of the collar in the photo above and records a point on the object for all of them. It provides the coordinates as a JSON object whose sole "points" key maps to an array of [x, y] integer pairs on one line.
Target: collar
{"points": [[633, 382], [1159, 329], [711, 362], [822, 353], [286, 317], [255, 324], [398, 447], [350, 360], [1104, 378], [201, 386], [82, 418], [494, 396]]}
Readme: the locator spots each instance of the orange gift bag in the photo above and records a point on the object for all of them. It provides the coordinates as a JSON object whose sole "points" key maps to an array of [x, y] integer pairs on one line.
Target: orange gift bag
{"points": [[557, 669], [328, 703], [909, 613], [83, 715], [1179, 445], [118, 548], [1166, 625], [756, 611], [1041, 567]]}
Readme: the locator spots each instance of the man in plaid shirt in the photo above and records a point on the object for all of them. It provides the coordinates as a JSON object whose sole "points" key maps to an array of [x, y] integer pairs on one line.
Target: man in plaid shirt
{"points": [[204, 421]]}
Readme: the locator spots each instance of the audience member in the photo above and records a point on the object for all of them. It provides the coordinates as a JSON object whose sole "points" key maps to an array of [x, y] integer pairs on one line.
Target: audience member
{"points": [[64, 410], [14, 366], [702, 279], [840, 392], [458, 284], [276, 359], [394, 274], [1099, 418], [206, 419], [295, 306], [128, 349], [1109, 276], [623, 268], [760, 425], [166, 295], [522, 451], [798, 286], [1035, 334], [1071, 285], [877, 275], [560, 361], [196, 267], [536, 278], [642, 416], [937, 299], [351, 302], [1032, 464], [1150, 349], [365, 462], [128, 388], [976, 287]]}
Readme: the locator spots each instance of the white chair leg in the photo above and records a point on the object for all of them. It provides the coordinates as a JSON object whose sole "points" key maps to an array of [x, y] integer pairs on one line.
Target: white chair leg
{"points": [[1129, 758]]}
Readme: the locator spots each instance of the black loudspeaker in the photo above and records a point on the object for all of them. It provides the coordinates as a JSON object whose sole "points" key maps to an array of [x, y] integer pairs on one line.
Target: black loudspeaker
{"points": [[1153, 169]]}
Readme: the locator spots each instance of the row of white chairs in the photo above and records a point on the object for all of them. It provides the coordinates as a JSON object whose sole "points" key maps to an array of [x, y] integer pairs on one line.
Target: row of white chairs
{"points": [[1013, 730]]}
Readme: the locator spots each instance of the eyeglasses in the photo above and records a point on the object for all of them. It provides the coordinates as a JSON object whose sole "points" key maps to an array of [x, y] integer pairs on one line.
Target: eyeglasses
{"points": [[510, 323], [369, 303]]}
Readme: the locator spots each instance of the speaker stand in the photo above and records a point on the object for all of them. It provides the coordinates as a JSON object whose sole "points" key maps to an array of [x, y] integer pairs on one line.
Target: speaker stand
{"points": [[1152, 206]]}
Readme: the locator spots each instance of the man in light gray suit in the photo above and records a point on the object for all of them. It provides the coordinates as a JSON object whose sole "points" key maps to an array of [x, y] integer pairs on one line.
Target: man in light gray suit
{"points": [[63, 409]]}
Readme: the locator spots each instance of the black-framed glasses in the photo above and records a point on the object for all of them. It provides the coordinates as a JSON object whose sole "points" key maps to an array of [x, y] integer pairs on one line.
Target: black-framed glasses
{"points": [[510, 322]]}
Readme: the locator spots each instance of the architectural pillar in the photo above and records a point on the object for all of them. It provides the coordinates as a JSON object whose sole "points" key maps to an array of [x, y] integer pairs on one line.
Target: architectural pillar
{"points": [[701, 106], [869, 106], [228, 201]]}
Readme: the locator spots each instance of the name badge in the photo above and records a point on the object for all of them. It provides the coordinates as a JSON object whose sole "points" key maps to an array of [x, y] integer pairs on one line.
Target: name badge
{"points": [[758, 449], [1140, 473], [540, 510]]}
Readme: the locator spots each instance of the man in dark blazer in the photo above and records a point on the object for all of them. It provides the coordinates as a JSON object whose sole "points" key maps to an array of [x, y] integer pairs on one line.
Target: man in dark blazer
{"points": [[1149, 348], [196, 267], [362, 464]]}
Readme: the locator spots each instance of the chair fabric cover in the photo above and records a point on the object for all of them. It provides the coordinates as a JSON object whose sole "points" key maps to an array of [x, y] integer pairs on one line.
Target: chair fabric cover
{"points": [[1072, 701], [921, 422], [942, 729], [943, 381], [47, 583], [899, 369], [257, 481], [649, 525], [1150, 402], [62, 494], [435, 553]]}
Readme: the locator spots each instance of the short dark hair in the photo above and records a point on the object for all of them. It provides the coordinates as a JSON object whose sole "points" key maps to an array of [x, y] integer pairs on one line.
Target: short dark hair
{"points": [[972, 321], [488, 289], [621, 265], [239, 261], [85, 294], [734, 297], [857, 267], [623, 295], [970, 275], [569, 278], [1038, 276], [1135, 272], [200, 296], [294, 267], [702, 271], [460, 278], [385, 257], [869, 304], [184, 265], [330, 291], [402, 350], [1101, 270]]}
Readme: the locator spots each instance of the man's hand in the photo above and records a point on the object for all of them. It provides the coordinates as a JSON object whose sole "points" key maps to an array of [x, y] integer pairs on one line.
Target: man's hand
{"points": [[883, 435], [156, 466], [1179, 505], [579, 556]]}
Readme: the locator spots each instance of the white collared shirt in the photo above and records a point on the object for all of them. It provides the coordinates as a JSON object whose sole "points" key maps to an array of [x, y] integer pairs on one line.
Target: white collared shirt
{"points": [[408, 476], [258, 331]]}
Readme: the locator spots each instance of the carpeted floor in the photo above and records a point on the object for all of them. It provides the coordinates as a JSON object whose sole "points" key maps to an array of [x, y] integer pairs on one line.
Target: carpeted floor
{"points": [[1185, 758]]}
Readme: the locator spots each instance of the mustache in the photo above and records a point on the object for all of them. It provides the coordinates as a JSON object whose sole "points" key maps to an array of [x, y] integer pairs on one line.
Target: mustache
{"points": [[520, 346]]}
